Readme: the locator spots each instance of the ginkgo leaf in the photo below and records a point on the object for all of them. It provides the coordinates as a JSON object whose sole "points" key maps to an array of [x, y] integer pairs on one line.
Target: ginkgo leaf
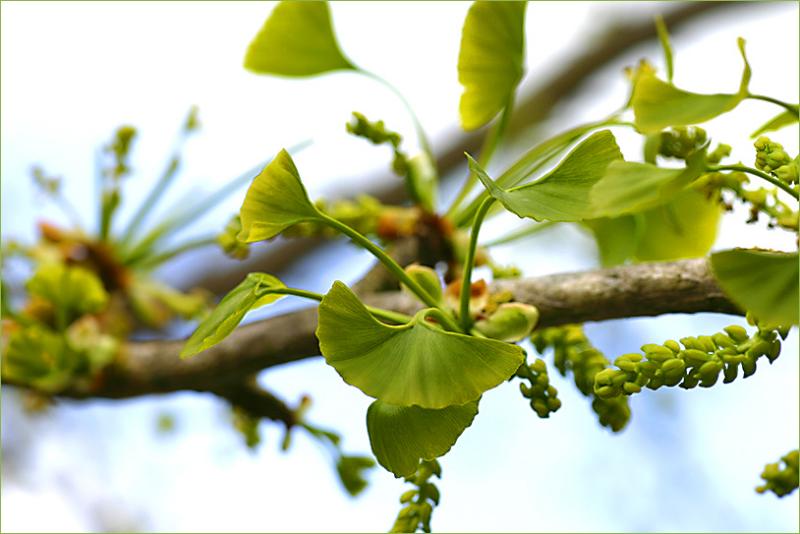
{"points": [[491, 59], [658, 104], [760, 281], [685, 227], [72, 290], [296, 40], [616, 238], [275, 201], [563, 193], [413, 364], [401, 436], [253, 292], [776, 123], [629, 187]]}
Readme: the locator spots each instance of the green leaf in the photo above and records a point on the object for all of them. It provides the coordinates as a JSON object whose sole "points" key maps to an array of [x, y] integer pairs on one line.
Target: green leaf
{"points": [[760, 281], [72, 290], [252, 293], [296, 40], [666, 46], [402, 436], [776, 123], [658, 104], [351, 472], [629, 186], [275, 201], [491, 59], [616, 238], [414, 364], [685, 227], [563, 193]]}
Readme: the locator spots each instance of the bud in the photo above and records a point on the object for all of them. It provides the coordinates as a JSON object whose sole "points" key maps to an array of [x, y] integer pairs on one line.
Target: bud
{"points": [[427, 278], [737, 333], [513, 321]]}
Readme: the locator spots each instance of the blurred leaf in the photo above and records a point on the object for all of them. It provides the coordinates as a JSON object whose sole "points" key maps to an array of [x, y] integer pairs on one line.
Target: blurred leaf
{"points": [[563, 193], [685, 227], [760, 281], [351, 472], [491, 59], [39, 357], [296, 40], [628, 187], [658, 104], [72, 290], [666, 46], [776, 123], [275, 201], [402, 436], [616, 238], [414, 364], [252, 293]]}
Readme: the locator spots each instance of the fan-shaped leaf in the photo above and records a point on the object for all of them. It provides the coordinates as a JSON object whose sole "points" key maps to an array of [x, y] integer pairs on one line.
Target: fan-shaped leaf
{"points": [[252, 293], [414, 364], [296, 40], [490, 62], [658, 104], [401, 436], [275, 201], [629, 186], [760, 281], [776, 123], [685, 227], [563, 193]]}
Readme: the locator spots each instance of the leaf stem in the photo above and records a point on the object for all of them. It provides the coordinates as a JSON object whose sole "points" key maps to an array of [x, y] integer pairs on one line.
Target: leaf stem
{"points": [[466, 321], [755, 172], [421, 135], [490, 144], [153, 197], [386, 260], [388, 315], [527, 230], [158, 259], [792, 108]]}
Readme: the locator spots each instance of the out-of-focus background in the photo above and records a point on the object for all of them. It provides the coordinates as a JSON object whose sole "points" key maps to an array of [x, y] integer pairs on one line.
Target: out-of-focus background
{"points": [[73, 71]]}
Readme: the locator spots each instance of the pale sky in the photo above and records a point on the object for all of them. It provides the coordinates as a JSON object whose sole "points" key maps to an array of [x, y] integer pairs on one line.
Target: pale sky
{"points": [[72, 72]]}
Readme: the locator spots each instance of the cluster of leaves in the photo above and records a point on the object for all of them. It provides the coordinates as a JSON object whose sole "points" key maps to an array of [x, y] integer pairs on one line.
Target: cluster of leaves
{"points": [[91, 289], [427, 373]]}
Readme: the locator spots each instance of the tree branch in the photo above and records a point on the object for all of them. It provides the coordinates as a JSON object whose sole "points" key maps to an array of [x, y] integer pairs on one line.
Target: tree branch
{"points": [[647, 289]]}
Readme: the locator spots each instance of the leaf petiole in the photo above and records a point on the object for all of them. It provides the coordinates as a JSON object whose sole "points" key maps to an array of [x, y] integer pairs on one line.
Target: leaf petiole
{"points": [[466, 321], [755, 172], [792, 108]]}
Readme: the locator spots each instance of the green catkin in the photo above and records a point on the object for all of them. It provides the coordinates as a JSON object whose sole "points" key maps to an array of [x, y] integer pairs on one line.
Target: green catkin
{"points": [[781, 480], [679, 142], [770, 155], [700, 362], [574, 353], [419, 502], [543, 396]]}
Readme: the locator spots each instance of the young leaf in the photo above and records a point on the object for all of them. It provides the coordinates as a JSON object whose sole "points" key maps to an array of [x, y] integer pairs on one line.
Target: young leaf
{"points": [[616, 238], [72, 290], [658, 104], [402, 436], [666, 46], [490, 62], [629, 186], [760, 281], [251, 293], [563, 193], [776, 123], [685, 227], [275, 201], [296, 40], [414, 364]]}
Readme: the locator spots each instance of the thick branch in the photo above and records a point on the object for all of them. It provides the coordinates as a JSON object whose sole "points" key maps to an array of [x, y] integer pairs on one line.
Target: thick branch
{"points": [[648, 289]]}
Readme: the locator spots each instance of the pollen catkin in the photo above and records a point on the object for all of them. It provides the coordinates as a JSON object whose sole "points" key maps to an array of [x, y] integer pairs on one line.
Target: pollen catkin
{"points": [[573, 352], [770, 155], [543, 396], [419, 502], [781, 480], [701, 361], [680, 141]]}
